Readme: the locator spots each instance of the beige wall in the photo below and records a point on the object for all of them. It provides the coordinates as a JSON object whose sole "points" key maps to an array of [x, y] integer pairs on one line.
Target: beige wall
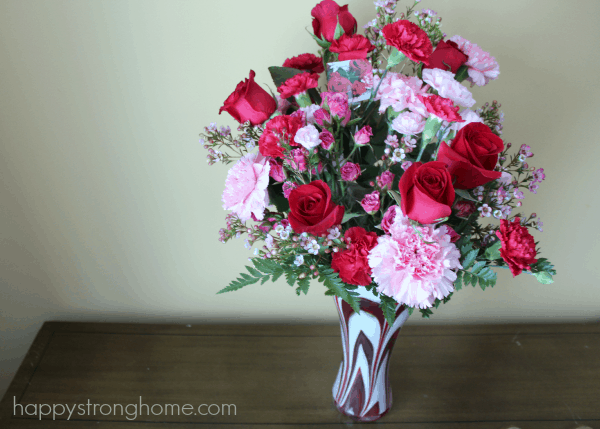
{"points": [[108, 211]]}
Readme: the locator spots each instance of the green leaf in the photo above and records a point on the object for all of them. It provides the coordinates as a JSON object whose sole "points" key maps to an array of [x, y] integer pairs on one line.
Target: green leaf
{"points": [[458, 281], [303, 285], [493, 252], [478, 266], [396, 196], [388, 307], [354, 122], [267, 266], [464, 194], [321, 42], [332, 281], [348, 216], [281, 74], [276, 276], [253, 271], [239, 283], [544, 277], [426, 312], [410, 310], [339, 31], [466, 278], [290, 278], [265, 279], [469, 259], [462, 73], [466, 248]]}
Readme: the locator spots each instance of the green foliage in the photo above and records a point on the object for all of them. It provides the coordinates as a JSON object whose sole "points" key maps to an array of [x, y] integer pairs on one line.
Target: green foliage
{"points": [[462, 73], [276, 196], [543, 271], [388, 307], [321, 42], [464, 194], [493, 252], [348, 216], [469, 259], [263, 270], [332, 281]]}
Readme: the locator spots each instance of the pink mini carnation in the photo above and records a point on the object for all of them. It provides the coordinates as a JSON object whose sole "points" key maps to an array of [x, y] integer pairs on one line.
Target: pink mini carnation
{"points": [[338, 105], [276, 171], [371, 202], [308, 137], [363, 136], [409, 123], [385, 180], [327, 139], [288, 187], [297, 160], [406, 165], [444, 83], [411, 271], [388, 218], [246, 187], [350, 171], [322, 117], [482, 66]]}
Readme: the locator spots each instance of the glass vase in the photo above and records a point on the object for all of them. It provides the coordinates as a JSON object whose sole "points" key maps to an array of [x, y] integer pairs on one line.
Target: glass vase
{"points": [[362, 388]]}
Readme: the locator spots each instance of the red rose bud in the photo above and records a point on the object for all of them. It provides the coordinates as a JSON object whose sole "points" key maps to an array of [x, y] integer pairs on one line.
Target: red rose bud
{"points": [[298, 84], [308, 62], [312, 210], [409, 39], [352, 264], [279, 129], [518, 246], [454, 236], [464, 209], [355, 47], [426, 192], [326, 15], [447, 57], [473, 156], [249, 102]]}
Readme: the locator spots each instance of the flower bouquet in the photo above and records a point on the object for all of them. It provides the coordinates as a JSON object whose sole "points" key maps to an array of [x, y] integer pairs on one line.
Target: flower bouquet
{"points": [[376, 185]]}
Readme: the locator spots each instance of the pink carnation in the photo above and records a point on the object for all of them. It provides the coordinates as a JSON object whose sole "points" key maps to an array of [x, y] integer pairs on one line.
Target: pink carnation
{"points": [[441, 107], [297, 160], [338, 105], [400, 92], [411, 271], [446, 86], [350, 171], [327, 139], [409, 123], [246, 187], [388, 218], [276, 171], [322, 117], [482, 66], [288, 187], [371, 202], [385, 180], [468, 116]]}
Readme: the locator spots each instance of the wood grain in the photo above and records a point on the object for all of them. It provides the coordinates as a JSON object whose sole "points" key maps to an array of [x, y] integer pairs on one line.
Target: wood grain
{"points": [[468, 376]]}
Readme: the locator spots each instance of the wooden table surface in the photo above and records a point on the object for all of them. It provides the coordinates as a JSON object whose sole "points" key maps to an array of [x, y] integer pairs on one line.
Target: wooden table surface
{"points": [[281, 376]]}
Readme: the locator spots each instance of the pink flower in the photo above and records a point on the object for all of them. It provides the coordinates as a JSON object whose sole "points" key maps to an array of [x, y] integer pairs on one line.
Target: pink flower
{"points": [[409, 123], [406, 165], [327, 139], [371, 202], [246, 187], [308, 137], [350, 171], [363, 136], [322, 117], [298, 160], [538, 175], [388, 218], [441, 107], [338, 105], [411, 271], [464, 208], [446, 86], [392, 141], [400, 92], [309, 112], [482, 66], [276, 171], [288, 187], [385, 180], [454, 236]]}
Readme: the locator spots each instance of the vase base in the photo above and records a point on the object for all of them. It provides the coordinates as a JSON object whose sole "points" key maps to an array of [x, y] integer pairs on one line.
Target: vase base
{"points": [[361, 419]]}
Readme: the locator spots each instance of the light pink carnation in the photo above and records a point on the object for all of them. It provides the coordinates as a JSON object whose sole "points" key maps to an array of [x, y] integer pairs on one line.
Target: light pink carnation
{"points": [[338, 105], [482, 66], [444, 83], [246, 187], [308, 137], [400, 92], [411, 271], [409, 123]]}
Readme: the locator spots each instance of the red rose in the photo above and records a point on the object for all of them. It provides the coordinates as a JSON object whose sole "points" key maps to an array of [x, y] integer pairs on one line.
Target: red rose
{"points": [[311, 209], [426, 192], [441, 107], [355, 47], [325, 19], [249, 102], [473, 155], [280, 128], [352, 264], [518, 246], [298, 84], [409, 39], [447, 57], [308, 62]]}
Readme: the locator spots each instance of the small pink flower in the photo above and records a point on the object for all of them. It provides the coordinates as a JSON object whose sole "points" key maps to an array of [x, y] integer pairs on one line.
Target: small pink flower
{"points": [[350, 171], [533, 187], [406, 165], [409, 123], [385, 180], [298, 160], [388, 218], [322, 117], [327, 139], [288, 187], [538, 175], [276, 171], [338, 105], [391, 140], [309, 113], [371, 202], [454, 236], [363, 136]]}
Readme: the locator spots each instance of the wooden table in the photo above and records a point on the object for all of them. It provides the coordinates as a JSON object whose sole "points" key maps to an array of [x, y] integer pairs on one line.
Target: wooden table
{"points": [[280, 376]]}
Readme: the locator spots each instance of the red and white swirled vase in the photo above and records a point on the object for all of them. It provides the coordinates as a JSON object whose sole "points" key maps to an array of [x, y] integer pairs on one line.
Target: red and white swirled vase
{"points": [[362, 388]]}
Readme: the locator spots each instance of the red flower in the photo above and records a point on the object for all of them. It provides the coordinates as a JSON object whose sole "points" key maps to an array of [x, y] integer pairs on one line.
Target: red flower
{"points": [[518, 246], [325, 19], [426, 192], [352, 264], [473, 156], [409, 39], [464, 208], [308, 62], [447, 57], [441, 107], [249, 102], [280, 128], [311, 209], [355, 47], [298, 84]]}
